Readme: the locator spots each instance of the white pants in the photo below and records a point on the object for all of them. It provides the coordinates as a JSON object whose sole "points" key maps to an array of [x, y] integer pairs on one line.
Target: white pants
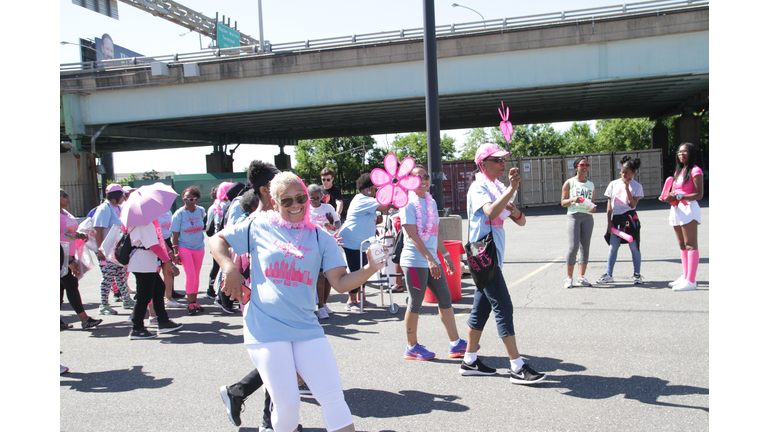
{"points": [[278, 363]]}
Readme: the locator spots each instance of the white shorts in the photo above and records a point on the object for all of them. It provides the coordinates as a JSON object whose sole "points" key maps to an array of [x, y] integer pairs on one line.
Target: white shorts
{"points": [[685, 214]]}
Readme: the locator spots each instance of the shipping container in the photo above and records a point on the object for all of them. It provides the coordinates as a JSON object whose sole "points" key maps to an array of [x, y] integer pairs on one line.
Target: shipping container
{"points": [[600, 172], [650, 172], [541, 180]]}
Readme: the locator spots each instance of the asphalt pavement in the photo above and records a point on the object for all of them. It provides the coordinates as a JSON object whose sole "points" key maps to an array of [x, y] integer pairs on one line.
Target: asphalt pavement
{"points": [[618, 357]]}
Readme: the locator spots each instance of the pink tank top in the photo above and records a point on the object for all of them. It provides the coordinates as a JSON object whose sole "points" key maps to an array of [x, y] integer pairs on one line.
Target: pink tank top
{"points": [[687, 187]]}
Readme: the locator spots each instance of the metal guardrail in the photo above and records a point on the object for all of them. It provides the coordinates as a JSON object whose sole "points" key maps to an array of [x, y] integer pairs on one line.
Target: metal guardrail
{"points": [[398, 36]]}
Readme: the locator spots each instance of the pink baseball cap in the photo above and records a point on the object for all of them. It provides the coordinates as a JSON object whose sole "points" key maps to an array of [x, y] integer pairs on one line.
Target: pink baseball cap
{"points": [[115, 187], [488, 150]]}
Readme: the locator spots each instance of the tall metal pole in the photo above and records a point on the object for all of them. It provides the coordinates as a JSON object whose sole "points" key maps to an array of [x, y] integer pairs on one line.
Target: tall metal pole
{"points": [[434, 158], [261, 31]]}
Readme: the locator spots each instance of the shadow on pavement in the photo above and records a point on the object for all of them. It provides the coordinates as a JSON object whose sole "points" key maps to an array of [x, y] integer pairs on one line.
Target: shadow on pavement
{"points": [[643, 389], [113, 381], [384, 404]]}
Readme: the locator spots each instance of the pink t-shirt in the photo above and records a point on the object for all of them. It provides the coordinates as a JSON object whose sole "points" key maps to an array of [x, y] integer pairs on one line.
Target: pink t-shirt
{"points": [[687, 187], [67, 228]]}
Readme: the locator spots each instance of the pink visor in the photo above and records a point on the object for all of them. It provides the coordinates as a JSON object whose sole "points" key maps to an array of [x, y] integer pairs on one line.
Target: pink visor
{"points": [[488, 150]]}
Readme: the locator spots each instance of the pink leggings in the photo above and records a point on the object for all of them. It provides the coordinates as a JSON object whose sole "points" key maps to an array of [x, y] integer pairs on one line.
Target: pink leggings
{"points": [[191, 262]]}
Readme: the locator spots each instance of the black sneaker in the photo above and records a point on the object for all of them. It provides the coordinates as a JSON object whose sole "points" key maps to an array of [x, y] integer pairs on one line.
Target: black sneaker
{"points": [[234, 405], [90, 323], [191, 309], [222, 307], [211, 294], [176, 295], [526, 376], [64, 326], [118, 299], [168, 326], [476, 368], [142, 334]]}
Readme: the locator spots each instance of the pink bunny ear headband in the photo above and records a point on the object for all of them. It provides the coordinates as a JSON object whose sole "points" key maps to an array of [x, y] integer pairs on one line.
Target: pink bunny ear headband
{"points": [[505, 125]]}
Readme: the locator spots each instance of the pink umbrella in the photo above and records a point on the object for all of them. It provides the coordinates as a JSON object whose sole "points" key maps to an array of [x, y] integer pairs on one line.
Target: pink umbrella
{"points": [[146, 204]]}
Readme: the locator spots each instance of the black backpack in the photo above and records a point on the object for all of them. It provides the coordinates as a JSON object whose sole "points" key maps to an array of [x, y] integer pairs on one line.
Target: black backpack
{"points": [[210, 227], [124, 249]]}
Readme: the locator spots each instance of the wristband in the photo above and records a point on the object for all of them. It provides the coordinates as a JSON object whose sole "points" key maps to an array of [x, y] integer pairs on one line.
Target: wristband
{"points": [[519, 217], [446, 254]]}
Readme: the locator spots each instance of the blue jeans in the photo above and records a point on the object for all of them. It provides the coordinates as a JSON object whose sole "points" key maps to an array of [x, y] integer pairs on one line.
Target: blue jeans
{"points": [[613, 251], [494, 297]]}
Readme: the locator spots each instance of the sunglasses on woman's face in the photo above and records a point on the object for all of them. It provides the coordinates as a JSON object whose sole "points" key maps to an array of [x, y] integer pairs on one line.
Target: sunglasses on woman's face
{"points": [[497, 160], [423, 177], [314, 198], [287, 202], [64, 195], [193, 199]]}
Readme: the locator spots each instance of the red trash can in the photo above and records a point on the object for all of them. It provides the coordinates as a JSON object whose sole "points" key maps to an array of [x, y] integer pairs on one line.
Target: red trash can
{"points": [[455, 249]]}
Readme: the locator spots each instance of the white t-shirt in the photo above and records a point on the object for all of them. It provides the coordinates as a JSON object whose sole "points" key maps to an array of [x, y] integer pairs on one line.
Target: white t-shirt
{"points": [[143, 261], [317, 215], [617, 192]]}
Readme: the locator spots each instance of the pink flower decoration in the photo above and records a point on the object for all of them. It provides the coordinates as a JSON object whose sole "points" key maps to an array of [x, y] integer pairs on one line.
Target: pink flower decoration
{"points": [[395, 183], [505, 125]]}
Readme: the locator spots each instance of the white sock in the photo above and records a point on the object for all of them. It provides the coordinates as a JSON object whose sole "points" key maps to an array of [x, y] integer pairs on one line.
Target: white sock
{"points": [[456, 342], [516, 364], [470, 358]]}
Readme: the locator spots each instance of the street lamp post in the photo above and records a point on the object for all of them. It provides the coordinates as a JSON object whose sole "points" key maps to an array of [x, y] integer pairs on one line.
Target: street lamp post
{"points": [[83, 46], [481, 15]]}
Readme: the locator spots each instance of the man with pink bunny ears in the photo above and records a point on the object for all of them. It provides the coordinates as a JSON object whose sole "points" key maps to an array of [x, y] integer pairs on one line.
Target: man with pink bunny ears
{"points": [[489, 204]]}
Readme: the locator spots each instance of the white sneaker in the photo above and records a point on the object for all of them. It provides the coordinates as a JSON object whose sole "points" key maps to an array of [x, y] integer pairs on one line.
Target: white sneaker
{"points": [[605, 278], [685, 286], [321, 313], [583, 282], [173, 304], [676, 281], [328, 309], [568, 282]]}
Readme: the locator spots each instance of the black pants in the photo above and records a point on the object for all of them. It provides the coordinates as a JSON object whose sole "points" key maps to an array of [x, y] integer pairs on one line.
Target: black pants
{"points": [[70, 284], [247, 386], [212, 275], [149, 287]]}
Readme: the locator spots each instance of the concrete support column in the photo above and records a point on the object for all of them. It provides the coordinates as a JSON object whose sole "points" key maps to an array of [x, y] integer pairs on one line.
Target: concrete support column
{"points": [[660, 140], [78, 178], [218, 161], [283, 160], [688, 129]]}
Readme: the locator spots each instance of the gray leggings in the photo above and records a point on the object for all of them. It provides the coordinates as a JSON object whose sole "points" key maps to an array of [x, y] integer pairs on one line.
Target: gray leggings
{"points": [[417, 279], [578, 227]]}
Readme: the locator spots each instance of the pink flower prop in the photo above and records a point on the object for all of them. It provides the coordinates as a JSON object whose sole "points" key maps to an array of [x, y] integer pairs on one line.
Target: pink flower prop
{"points": [[505, 125], [394, 183]]}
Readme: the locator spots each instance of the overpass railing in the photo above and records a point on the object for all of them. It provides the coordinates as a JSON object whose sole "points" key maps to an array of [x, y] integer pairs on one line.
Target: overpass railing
{"points": [[577, 16]]}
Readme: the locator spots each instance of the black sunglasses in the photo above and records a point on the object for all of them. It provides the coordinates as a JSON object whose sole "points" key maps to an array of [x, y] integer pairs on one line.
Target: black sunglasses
{"points": [[497, 160], [424, 177], [287, 202], [64, 195]]}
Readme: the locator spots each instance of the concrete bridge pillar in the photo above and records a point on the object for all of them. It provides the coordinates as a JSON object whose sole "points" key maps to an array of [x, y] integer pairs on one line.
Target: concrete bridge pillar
{"points": [[660, 140], [218, 161], [283, 160], [688, 129]]}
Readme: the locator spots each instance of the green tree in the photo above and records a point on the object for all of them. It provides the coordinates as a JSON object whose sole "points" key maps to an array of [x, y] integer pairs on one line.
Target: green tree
{"points": [[415, 145], [623, 135], [344, 155], [150, 175], [131, 178], [579, 138]]}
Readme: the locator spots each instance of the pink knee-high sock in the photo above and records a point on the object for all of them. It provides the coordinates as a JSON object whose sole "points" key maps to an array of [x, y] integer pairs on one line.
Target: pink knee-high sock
{"points": [[684, 259], [693, 265]]}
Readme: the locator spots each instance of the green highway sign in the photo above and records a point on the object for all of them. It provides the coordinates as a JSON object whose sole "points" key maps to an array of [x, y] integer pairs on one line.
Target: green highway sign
{"points": [[227, 37]]}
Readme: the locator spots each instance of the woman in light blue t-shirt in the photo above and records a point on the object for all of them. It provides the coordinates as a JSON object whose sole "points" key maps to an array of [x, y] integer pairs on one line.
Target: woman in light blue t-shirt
{"points": [[360, 226], [423, 271], [282, 333]]}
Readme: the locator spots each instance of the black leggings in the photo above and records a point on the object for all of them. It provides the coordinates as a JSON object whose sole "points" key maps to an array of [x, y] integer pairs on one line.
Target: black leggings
{"points": [[70, 284], [149, 287]]}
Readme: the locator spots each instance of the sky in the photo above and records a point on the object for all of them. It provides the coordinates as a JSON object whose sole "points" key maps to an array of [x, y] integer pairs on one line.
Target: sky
{"points": [[283, 22]]}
